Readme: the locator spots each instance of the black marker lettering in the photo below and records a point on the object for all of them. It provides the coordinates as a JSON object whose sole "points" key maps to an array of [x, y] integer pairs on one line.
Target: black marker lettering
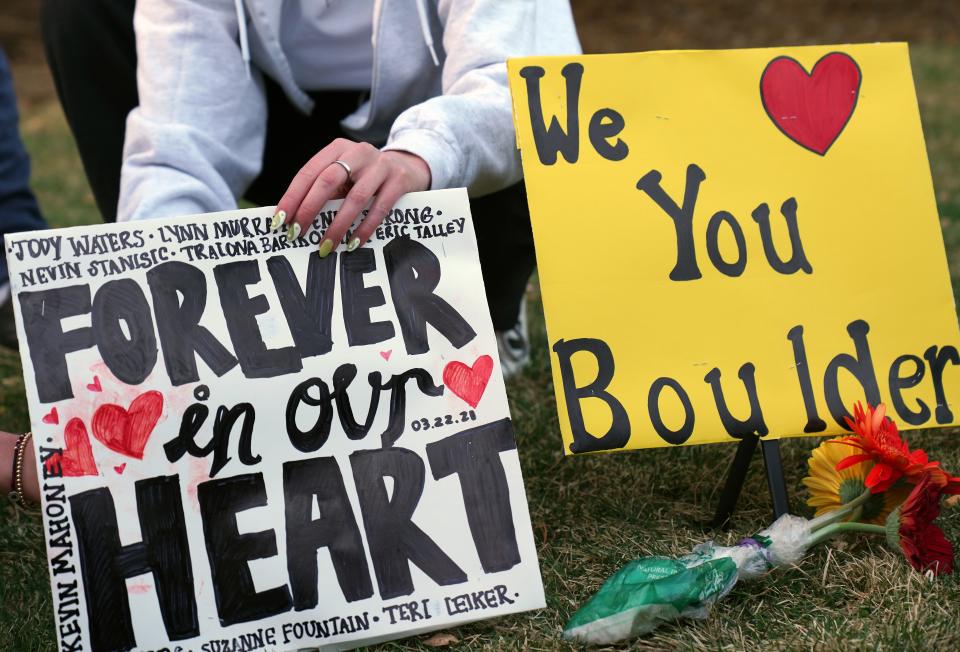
{"points": [[861, 367], [240, 312], [552, 140], [604, 125], [937, 359], [335, 529], [798, 259], [130, 359], [683, 433], [229, 551], [43, 313], [686, 267], [178, 323], [619, 432], [394, 539], [105, 563], [474, 455], [739, 428], [358, 299], [414, 273], [898, 383]]}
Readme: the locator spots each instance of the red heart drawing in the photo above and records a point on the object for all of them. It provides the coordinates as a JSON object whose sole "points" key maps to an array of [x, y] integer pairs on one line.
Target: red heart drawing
{"points": [[95, 385], [77, 457], [120, 468], [52, 417], [468, 382], [811, 110], [127, 431], [386, 354]]}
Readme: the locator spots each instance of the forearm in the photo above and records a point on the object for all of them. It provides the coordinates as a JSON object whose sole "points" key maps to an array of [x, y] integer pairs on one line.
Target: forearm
{"points": [[195, 141], [31, 487], [466, 134]]}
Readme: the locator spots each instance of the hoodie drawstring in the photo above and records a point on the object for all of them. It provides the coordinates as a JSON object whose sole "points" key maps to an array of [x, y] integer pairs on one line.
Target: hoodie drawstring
{"points": [[244, 43], [425, 30]]}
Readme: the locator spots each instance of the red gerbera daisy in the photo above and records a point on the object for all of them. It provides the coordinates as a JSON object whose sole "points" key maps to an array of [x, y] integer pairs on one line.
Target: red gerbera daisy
{"points": [[910, 528], [877, 436]]}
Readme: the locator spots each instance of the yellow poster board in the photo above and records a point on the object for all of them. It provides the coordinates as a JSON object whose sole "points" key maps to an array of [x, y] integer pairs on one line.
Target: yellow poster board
{"points": [[735, 242]]}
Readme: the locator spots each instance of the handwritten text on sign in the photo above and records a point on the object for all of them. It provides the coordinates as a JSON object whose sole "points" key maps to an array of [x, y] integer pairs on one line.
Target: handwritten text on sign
{"points": [[246, 446], [735, 243]]}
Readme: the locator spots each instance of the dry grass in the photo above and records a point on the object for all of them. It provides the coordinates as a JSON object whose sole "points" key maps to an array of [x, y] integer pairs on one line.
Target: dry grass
{"points": [[593, 514]]}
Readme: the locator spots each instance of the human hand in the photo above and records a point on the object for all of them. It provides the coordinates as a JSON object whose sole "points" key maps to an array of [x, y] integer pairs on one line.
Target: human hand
{"points": [[385, 176]]}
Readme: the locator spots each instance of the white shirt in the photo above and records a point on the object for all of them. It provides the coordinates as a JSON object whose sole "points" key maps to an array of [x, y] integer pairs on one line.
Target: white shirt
{"points": [[328, 43]]}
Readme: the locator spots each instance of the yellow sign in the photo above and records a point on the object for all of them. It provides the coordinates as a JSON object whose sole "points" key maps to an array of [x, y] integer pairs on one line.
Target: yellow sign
{"points": [[735, 242]]}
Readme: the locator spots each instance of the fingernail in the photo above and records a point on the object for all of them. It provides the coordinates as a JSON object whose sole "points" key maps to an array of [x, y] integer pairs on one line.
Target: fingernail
{"points": [[293, 232], [325, 248], [353, 244], [278, 218]]}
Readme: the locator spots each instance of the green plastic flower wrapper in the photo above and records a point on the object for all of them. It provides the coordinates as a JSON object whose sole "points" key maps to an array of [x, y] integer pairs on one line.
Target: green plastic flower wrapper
{"points": [[650, 591]]}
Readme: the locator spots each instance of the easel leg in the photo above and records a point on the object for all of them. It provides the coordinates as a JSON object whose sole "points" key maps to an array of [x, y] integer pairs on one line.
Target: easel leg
{"points": [[775, 480], [735, 478]]}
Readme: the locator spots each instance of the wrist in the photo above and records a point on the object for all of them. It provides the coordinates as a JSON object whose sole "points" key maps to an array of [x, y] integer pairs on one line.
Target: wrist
{"points": [[31, 483], [420, 174], [18, 477], [8, 444]]}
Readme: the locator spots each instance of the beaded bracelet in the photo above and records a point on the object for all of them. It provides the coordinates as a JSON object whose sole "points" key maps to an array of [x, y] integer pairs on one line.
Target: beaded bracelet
{"points": [[17, 477]]}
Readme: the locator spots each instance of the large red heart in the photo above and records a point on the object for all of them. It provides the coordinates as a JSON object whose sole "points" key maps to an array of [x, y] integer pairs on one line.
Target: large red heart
{"points": [[77, 457], [466, 382], [127, 431], [811, 110]]}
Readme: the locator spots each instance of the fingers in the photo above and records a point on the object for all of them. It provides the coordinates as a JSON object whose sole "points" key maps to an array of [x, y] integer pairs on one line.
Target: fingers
{"points": [[323, 190], [386, 199], [358, 157], [407, 173], [366, 185], [366, 175], [304, 180]]}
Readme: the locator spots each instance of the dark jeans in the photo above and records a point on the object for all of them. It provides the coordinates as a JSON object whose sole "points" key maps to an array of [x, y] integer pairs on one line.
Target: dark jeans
{"points": [[90, 48], [18, 206]]}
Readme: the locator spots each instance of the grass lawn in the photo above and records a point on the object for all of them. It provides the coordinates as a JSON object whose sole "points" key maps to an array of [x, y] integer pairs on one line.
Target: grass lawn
{"points": [[593, 514]]}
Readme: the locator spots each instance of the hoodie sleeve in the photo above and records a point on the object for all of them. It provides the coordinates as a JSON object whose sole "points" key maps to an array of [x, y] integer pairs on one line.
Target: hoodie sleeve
{"points": [[466, 135], [196, 140]]}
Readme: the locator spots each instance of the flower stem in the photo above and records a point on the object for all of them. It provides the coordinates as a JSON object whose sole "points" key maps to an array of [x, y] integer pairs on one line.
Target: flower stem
{"points": [[839, 528], [839, 513]]}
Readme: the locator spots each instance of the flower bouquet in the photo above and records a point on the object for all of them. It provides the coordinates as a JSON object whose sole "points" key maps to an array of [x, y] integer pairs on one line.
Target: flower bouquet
{"points": [[869, 482]]}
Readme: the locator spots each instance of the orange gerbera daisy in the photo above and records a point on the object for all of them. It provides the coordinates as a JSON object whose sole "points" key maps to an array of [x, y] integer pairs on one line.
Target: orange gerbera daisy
{"points": [[831, 489], [879, 440]]}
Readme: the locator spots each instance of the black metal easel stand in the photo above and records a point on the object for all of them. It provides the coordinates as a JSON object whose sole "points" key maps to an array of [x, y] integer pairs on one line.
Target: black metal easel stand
{"points": [[776, 483]]}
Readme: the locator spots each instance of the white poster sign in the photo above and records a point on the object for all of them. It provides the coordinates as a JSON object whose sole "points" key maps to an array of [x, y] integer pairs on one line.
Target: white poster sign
{"points": [[244, 446]]}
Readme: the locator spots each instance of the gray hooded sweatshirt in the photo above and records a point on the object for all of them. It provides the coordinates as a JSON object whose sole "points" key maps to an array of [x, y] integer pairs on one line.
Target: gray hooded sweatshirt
{"points": [[439, 90]]}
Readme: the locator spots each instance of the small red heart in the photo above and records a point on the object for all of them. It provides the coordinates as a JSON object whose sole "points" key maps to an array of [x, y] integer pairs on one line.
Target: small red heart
{"points": [[466, 382], [119, 469], [95, 385], [386, 354], [52, 417], [77, 458], [127, 431], [811, 109]]}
